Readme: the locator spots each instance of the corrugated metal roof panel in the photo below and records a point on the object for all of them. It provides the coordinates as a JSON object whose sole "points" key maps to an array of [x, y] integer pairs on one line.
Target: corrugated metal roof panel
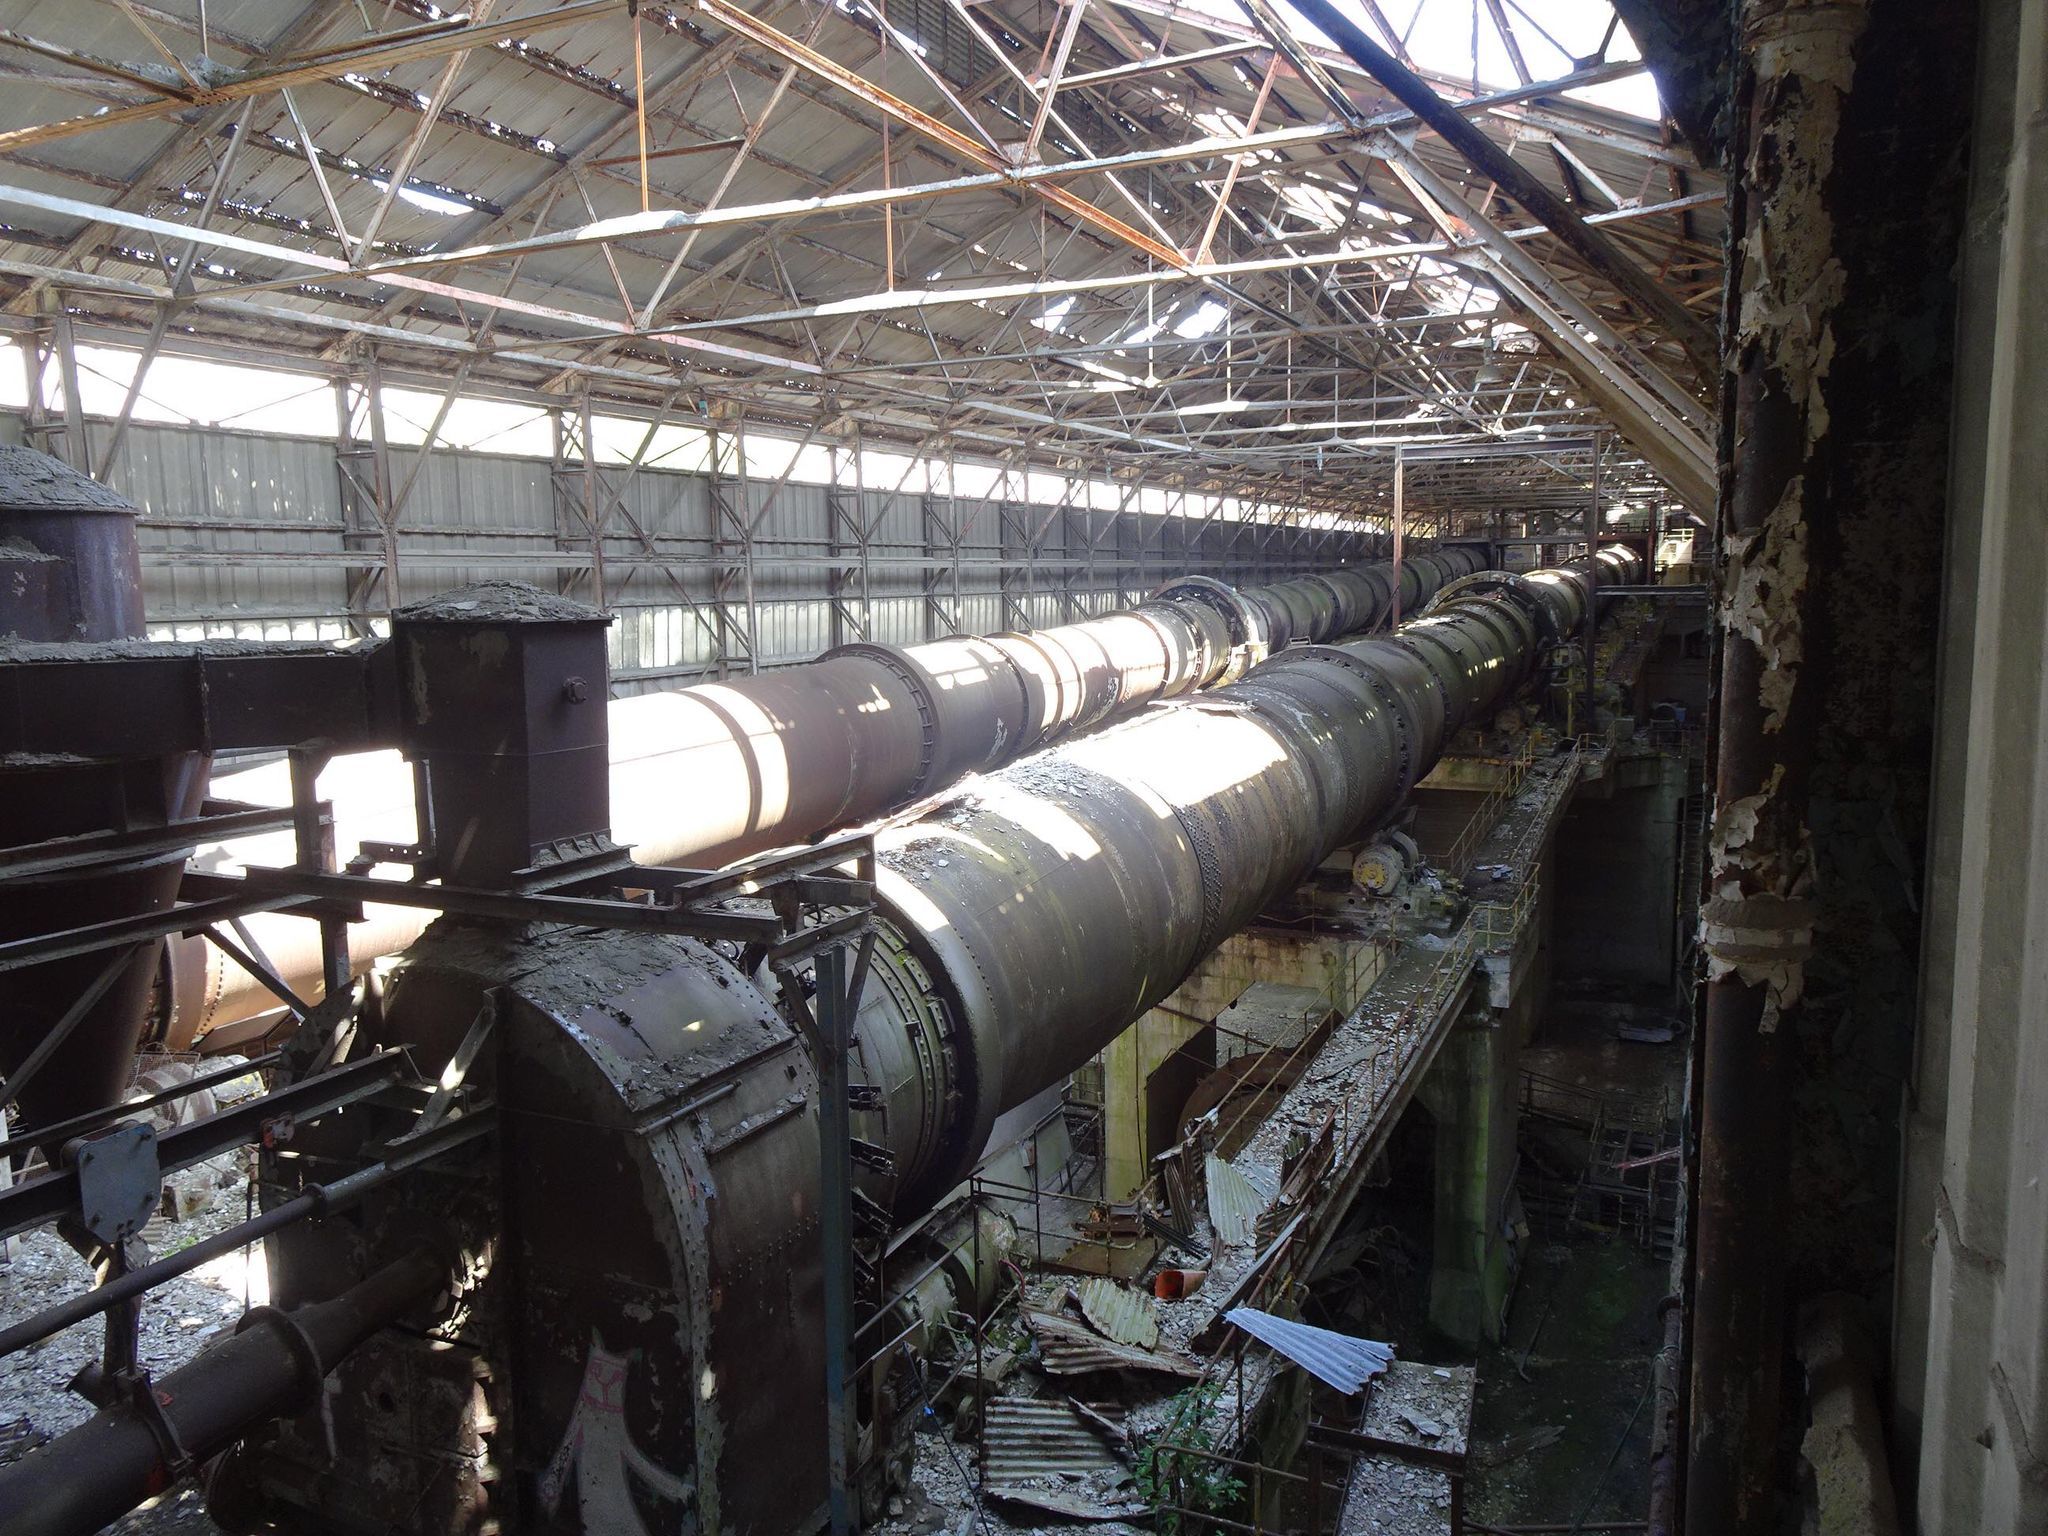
{"points": [[1344, 1361], [571, 86], [1026, 1438], [1125, 1315], [1068, 1348], [1234, 1204]]}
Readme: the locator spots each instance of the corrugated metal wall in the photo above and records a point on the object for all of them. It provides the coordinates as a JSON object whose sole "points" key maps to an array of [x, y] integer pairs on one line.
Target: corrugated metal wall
{"points": [[249, 534]]}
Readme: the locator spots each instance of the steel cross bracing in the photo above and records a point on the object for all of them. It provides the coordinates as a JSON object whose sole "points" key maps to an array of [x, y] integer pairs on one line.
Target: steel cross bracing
{"points": [[1188, 245]]}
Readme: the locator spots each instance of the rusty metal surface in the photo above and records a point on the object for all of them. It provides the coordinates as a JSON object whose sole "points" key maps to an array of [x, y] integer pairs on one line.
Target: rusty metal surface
{"points": [[1235, 1203], [1343, 1360], [78, 540], [71, 543], [651, 1217], [502, 693], [1026, 1438], [659, 1239], [125, 700], [775, 758], [1048, 904], [1757, 926], [1069, 1348], [92, 1476], [1118, 1311]]}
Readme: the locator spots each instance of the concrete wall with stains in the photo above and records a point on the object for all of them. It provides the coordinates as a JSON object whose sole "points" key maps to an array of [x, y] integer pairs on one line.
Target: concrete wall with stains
{"points": [[1970, 1403], [1343, 970]]}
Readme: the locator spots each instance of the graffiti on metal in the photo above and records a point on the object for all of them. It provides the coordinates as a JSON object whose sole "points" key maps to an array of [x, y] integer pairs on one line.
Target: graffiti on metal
{"points": [[598, 1452]]}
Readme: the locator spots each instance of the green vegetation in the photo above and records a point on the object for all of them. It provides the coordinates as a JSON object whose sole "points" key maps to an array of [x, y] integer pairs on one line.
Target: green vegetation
{"points": [[1178, 1474]]}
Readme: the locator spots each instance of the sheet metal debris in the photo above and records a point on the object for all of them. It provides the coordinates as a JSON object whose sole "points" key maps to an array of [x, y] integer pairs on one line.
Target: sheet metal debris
{"points": [[1234, 1204], [1025, 1439], [1177, 1237], [1070, 1348], [1344, 1361], [1118, 1312], [1075, 1506]]}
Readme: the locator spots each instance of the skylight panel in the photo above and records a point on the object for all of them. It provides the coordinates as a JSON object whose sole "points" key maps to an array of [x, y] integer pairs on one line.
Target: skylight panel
{"points": [[1055, 316], [1206, 320], [426, 201]]}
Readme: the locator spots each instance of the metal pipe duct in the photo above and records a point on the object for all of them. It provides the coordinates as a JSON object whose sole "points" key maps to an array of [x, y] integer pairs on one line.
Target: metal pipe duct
{"points": [[663, 1314], [1035, 915], [708, 774], [272, 1364]]}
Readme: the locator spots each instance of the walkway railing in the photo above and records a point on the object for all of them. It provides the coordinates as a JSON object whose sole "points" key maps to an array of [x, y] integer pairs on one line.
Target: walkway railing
{"points": [[1458, 860]]}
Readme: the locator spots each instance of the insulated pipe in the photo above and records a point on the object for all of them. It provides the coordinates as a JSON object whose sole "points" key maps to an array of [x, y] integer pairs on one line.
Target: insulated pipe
{"points": [[271, 1365], [1030, 919], [707, 774]]}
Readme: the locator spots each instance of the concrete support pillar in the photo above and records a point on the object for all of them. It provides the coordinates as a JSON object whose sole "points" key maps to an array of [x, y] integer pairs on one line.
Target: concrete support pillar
{"points": [[1925, 1108], [1472, 1092], [1127, 1069], [1983, 1462], [1617, 879]]}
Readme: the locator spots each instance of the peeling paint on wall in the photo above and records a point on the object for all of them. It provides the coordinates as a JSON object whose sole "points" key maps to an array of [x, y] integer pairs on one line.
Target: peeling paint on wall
{"points": [[1757, 922], [1765, 582], [1793, 281], [1764, 941]]}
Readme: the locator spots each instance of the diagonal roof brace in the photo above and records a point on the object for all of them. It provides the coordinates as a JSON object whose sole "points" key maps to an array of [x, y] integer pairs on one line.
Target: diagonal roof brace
{"points": [[1282, 37], [1492, 161], [929, 127]]}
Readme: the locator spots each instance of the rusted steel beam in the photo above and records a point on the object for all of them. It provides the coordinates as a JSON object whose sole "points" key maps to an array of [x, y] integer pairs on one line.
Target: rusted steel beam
{"points": [[1758, 917], [1494, 162], [1221, 53], [924, 124], [364, 55], [113, 69]]}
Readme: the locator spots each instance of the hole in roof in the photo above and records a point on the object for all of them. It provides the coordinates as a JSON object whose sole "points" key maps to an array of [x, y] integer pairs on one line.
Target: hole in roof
{"points": [[1054, 318], [1556, 37], [425, 201], [1206, 320]]}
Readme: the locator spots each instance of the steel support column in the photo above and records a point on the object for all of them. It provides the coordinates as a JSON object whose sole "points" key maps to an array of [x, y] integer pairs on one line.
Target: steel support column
{"points": [[732, 535], [1757, 923], [77, 447], [361, 473], [1400, 529], [835, 1233], [1013, 578], [846, 538], [1590, 639]]}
